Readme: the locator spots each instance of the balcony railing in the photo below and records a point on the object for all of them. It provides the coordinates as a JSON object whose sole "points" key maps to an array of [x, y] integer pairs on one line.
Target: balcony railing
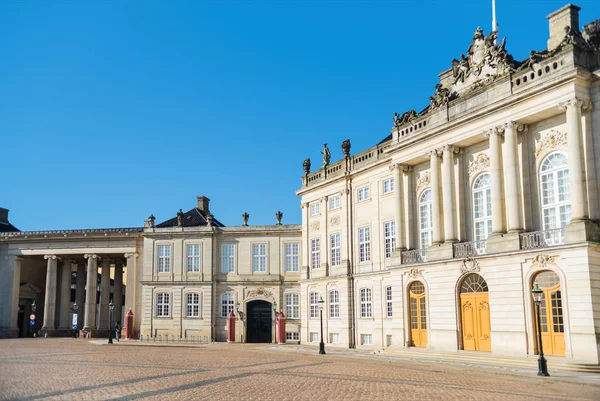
{"points": [[542, 239], [469, 249], [414, 256]]}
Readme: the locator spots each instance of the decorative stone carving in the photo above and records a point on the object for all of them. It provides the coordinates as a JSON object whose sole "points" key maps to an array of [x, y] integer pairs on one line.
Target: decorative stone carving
{"points": [[480, 161], [542, 261], [469, 265], [591, 33], [245, 218], [314, 226], [306, 166], [326, 155], [414, 273], [334, 221], [550, 140], [406, 117], [180, 218], [424, 180], [440, 97], [259, 292], [279, 216], [346, 147]]}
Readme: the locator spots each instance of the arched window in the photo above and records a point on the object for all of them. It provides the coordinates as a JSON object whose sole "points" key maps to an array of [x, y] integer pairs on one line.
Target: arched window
{"points": [[425, 218], [482, 206], [556, 198]]}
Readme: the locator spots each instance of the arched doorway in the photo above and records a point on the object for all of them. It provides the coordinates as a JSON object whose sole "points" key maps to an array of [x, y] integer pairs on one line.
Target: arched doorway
{"points": [[418, 314], [259, 322], [551, 313], [475, 313]]}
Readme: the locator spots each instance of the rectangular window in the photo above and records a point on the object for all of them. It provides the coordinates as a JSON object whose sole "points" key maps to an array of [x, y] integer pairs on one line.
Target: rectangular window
{"points": [[228, 258], [389, 234], [315, 208], [388, 186], [334, 304], [313, 299], [292, 336], [193, 258], [164, 258], [162, 304], [364, 239], [366, 308], [363, 194], [334, 338], [292, 252], [314, 337], [334, 202], [193, 305], [335, 249], [366, 339], [259, 258], [315, 253], [388, 298], [227, 304], [292, 306]]}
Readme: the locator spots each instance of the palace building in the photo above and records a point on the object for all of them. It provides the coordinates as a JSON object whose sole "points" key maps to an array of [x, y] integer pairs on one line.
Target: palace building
{"points": [[432, 238]]}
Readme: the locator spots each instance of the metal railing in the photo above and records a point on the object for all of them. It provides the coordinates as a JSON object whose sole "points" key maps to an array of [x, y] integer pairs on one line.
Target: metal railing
{"points": [[413, 256], [469, 249], [172, 339], [542, 239]]}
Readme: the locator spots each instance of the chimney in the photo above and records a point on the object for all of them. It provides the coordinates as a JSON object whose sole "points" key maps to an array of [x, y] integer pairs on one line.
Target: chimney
{"points": [[203, 204], [3, 215], [568, 16]]}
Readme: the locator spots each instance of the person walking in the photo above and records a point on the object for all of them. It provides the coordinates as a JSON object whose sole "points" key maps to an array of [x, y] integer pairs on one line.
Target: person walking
{"points": [[117, 330]]}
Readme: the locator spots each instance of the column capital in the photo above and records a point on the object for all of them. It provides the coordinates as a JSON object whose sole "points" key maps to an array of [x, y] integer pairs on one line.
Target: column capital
{"points": [[497, 130], [52, 257], [91, 256], [575, 102], [431, 153], [405, 168], [324, 199], [13, 257], [135, 255], [508, 125]]}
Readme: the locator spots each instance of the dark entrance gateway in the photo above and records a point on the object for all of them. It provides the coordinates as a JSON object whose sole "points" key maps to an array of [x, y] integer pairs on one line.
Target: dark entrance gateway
{"points": [[259, 322]]}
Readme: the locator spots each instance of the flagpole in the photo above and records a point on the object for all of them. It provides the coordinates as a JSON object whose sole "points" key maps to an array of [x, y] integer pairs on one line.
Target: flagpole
{"points": [[494, 25]]}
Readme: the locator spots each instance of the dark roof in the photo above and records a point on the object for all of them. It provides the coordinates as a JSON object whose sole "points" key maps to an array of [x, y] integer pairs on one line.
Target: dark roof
{"points": [[192, 218], [8, 228]]}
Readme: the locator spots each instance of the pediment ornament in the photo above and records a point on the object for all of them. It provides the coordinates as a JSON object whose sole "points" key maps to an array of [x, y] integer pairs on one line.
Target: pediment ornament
{"points": [[414, 273], [424, 180], [550, 140], [542, 261], [334, 221], [315, 225], [259, 292], [480, 161], [469, 265]]}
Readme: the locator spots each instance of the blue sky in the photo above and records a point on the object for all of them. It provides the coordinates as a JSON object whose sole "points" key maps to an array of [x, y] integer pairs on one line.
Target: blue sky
{"points": [[111, 111]]}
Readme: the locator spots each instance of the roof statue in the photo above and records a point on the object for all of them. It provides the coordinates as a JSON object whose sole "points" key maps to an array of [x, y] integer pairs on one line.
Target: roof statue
{"points": [[306, 166], [440, 97], [346, 147], [326, 155], [406, 117]]}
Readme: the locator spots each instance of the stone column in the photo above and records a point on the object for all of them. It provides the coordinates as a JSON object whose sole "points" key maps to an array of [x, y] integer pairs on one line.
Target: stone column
{"points": [[435, 192], [90, 292], [64, 323], [118, 291], [398, 205], [448, 195], [10, 280], [496, 173], [512, 178], [104, 294], [130, 283], [80, 293], [409, 212], [50, 300], [574, 139]]}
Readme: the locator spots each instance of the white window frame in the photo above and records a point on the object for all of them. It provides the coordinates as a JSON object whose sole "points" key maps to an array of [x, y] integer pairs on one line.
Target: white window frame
{"points": [[334, 338], [227, 304], [482, 193], [163, 304], [363, 194], [364, 244], [292, 306], [292, 336], [425, 230], [388, 186], [364, 341], [389, 235], [334, 304], [366, 303], [334, 202], [315, 208], [389, 311], [228, 258], [335, 244], [313, 303], [193, 258], [315, 253], [560, 207], [192, 305], [292, 257], [259, 257], [164, 252]]}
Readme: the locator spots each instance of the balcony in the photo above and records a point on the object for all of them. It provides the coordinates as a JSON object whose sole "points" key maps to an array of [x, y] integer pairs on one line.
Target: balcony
{"points": [[469, 249], [542, 239], [414, 256]]}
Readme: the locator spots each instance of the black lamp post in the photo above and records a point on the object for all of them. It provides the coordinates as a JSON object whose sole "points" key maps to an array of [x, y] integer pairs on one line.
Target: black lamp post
{"points": [[537, 295], [111, 309], [321, 344]]}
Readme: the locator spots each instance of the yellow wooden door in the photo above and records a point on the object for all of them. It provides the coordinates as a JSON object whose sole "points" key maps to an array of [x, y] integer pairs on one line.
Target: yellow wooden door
{"points": [[418, 315], [551, 314], [475, 314]]}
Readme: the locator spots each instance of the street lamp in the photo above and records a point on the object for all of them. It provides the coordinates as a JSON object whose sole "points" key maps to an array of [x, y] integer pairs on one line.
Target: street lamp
{"points": [[321, 344], [537, 295], [111, 309]]}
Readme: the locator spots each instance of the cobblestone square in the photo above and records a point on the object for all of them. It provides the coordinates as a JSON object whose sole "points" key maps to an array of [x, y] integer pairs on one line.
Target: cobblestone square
{"points": [[68, 369]]}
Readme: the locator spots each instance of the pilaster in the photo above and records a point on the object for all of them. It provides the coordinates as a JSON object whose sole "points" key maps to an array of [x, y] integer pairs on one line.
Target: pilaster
{"points": [[90, 292]]}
